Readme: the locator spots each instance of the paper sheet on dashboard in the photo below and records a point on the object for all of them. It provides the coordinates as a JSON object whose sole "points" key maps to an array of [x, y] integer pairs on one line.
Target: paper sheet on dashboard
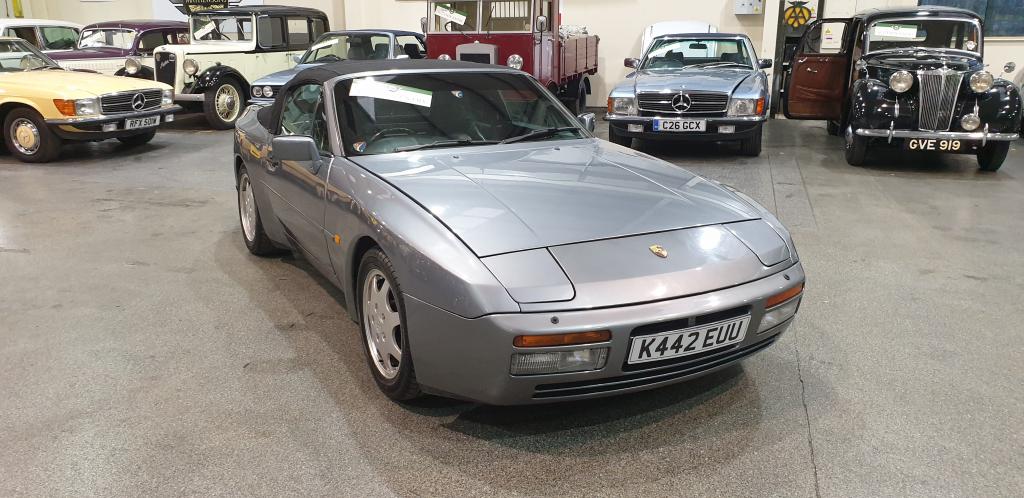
{"points": [[365, 87]]}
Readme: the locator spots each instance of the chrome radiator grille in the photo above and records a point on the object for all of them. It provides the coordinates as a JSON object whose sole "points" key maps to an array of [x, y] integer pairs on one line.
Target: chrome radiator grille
{"points": [[118, 103], [699, 102], [939, 89]]}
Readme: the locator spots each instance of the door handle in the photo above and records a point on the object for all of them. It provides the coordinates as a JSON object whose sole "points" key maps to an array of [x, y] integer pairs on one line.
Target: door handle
{"points": [[811, 70]]}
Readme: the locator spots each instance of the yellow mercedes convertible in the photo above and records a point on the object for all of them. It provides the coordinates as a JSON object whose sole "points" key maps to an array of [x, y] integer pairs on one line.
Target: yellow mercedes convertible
{"points": [[42, 105]]}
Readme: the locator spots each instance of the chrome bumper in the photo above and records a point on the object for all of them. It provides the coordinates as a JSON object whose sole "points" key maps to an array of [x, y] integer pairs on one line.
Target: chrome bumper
{"points": [[727, 119], [110, 118], [984, 136]]}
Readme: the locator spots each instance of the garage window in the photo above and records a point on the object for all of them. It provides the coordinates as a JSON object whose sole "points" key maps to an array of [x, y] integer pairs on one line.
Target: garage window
{"points": [[1002, 17]]}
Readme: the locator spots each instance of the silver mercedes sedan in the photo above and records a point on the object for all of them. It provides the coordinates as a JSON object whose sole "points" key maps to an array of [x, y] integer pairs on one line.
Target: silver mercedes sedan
{"points": [[492, 249]]}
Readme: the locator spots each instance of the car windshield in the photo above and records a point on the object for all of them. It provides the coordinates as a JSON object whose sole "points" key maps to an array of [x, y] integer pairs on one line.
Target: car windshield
{"points": [[107, 38], [334, 48], [384, 114], [678, 53], [923, 33], [222, 28], [18, 55], [507, 16]]}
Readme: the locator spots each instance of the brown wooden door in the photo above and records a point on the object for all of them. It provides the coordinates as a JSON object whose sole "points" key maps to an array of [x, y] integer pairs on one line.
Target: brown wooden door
{"points": [[819, 73]]}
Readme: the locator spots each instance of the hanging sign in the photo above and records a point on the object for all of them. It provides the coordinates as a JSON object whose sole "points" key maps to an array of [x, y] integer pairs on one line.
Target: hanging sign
{"points": [[450, 15]]}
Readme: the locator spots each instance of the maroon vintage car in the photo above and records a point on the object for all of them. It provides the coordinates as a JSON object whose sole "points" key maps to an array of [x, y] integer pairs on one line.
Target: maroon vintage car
{"points": [[122, 48], [521, 34]]}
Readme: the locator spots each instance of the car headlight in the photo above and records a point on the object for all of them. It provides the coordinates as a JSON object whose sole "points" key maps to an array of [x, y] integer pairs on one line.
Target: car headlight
{"points": [[901, 81], [746, 107], [167, 97], [981, 81], [257, 91], [268, 91], [444, 57], [190, 66], [87, 107], [132, 65], [623, 106], [515, 61]]}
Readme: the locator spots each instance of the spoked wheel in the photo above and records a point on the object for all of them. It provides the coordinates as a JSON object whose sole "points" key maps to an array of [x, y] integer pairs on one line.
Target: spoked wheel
{"points": [[223, 104], [28, 138], [256, 239], [382, 316]]}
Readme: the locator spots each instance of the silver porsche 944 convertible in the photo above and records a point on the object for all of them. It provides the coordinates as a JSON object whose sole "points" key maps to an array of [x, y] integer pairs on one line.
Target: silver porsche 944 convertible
{"points": [[492, 249]]}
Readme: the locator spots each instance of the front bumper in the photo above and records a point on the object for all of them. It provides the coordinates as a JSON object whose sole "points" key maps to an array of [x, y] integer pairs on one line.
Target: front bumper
{"points": [[983, 136], [744, 127], [470, 358], [91, 128]]}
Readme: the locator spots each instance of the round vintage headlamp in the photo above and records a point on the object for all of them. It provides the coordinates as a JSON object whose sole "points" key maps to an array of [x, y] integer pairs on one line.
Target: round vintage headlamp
{"points": [[190, 66], [970, 122], [257, 91], [901, 81], [444, 57], [132, 65], [981, 81], [268, 91], [515, 61]]}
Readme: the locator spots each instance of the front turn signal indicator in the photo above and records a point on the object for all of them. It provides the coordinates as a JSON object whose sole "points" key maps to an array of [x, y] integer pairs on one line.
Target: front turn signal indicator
{"points": [[570, 339], [760, 106], [784, 296], [66, 107]]}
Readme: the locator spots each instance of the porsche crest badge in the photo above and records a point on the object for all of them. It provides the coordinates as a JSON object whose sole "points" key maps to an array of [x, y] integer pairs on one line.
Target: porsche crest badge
{"points": [[659, 251]]}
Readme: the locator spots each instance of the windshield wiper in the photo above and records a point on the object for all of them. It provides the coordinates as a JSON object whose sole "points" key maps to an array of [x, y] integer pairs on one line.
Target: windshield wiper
{"points": [[444, 143], [542, 133]]}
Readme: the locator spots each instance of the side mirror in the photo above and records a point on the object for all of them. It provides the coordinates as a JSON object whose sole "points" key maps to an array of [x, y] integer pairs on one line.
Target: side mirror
{"points": [[423, 24], [1010, 67], [542, 23], [631, 63], [297, 58], [296, 148], [765, 63], [588, 120]]}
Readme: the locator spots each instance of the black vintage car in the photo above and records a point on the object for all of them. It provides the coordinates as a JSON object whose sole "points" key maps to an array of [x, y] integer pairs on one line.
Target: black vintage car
{"points": [[911, 77]]}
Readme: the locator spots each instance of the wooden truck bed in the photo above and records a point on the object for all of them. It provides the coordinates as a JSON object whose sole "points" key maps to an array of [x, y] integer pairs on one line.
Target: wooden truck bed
{"points": [[579, 56]]}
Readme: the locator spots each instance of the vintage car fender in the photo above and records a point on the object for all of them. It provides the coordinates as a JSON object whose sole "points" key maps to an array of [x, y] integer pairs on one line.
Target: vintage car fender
{"points": [[144, 73], [874, 105], [212, 76]]}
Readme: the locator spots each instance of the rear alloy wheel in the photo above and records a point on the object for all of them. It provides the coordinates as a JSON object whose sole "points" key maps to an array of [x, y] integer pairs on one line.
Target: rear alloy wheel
{"points": [[28, 138], [223, 104], [856, 147], [385, 337], [255, 238], [617, 139], [992, 155]]}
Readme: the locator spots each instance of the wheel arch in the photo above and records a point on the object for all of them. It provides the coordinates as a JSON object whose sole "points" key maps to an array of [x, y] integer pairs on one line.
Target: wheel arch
{"points": [[10, 105], [214, 75], [363, 245]]}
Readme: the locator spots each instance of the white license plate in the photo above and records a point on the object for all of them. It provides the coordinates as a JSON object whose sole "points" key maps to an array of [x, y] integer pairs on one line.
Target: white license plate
{"points": [[131, 124], [680, 125], [941, 145], [688, 341]]}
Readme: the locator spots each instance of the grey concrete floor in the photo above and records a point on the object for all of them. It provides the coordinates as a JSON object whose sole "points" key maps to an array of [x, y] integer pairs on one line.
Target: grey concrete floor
{"points": [[143, 351]]}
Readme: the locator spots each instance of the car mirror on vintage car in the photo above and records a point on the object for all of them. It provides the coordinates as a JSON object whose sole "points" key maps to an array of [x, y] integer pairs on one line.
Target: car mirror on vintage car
{"points": [[542, 23], [588, 120], [297, 59], [765, 63], [1009, 67], [296, 148], [423, 24], [631, 63]]}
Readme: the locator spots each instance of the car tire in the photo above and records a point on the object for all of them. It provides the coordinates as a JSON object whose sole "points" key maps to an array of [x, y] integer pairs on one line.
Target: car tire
{"points": [[28, 138], [832, 127], [140, 139], [617, 139], [856, 148], [382, 321], [223, 104], [255, 237], [752, 146], [992, 155]]}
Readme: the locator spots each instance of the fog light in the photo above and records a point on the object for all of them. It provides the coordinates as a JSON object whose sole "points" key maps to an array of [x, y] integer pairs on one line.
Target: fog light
{"points": [[110, 127], [168, 118], [635, 128], [726, 129], [579, 360], [779, 314], [970, 122]]}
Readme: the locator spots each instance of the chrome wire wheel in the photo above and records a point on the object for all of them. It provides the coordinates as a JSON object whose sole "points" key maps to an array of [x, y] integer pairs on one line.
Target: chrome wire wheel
{"points": [[227, 102], [247, 207], [382, 324], [25, 136]]}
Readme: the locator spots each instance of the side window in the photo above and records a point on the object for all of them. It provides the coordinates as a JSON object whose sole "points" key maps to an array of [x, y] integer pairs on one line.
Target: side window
{"points": [[379, 46], [303, 114], [319, 28], [270, 32], [59, 37], [27, 33], [824, 38], [298, 32], [411, 46], [150, 40]]}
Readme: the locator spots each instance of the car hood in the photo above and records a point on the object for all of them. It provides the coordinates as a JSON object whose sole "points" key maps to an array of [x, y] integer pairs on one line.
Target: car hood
{"points": [[710, 80], [502, 199], [281, 77], [71, 85], [914, 60], [89, 53]]}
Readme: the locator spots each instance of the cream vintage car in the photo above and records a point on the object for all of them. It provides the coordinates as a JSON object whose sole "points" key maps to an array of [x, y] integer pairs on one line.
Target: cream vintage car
{"points": [[42, 105], [231, 48]]}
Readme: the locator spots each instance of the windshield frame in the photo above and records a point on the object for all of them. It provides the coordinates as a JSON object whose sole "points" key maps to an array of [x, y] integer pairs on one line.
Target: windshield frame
{"points": [[432, 5], [334, 120], [192, 28], [974, 22], [743, 41], [34, 51], [134, 33]]}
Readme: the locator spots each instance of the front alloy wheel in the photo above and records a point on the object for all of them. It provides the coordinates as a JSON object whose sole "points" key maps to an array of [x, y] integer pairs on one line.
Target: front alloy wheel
{"points": [[29, 138], [382, 317]]}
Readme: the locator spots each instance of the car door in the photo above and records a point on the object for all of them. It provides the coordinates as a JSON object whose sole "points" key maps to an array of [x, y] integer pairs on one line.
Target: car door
{"points": [[819, 72], [298, 187]]}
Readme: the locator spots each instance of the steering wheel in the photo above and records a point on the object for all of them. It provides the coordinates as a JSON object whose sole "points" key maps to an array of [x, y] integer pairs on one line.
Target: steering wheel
{"points": [[389, 132]]}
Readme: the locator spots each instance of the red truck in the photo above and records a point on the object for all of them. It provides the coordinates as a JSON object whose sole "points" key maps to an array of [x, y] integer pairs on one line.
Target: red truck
{"points": [[523, 34]]}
